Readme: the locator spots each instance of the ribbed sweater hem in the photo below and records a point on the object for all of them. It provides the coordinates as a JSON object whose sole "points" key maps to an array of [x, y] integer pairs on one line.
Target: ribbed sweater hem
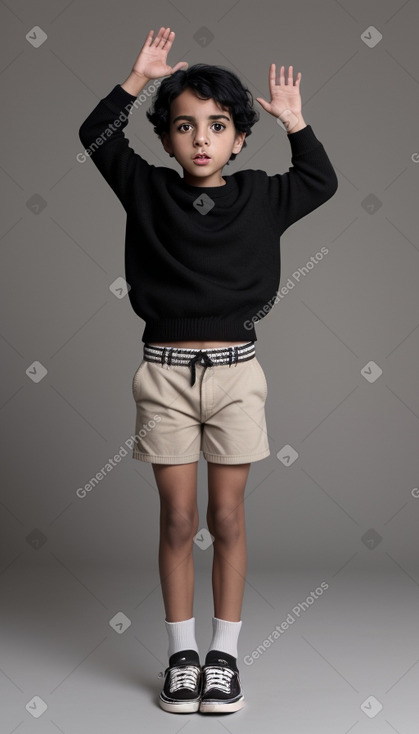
{"points": [[206, 328]]}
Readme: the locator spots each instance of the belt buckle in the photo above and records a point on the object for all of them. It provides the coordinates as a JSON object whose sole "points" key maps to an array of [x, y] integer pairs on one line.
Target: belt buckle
{"points": [[163, 362]]}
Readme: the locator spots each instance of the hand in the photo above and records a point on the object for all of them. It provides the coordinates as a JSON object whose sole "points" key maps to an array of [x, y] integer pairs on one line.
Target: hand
{"points": [[151, 61], [283, 96]]}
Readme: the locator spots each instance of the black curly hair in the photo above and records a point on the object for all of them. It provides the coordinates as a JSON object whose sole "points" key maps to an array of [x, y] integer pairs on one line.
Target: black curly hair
{"points": [[205, 80]]}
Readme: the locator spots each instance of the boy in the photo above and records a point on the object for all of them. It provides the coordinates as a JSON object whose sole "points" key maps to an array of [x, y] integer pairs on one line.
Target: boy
{"points": [[203, 264]]}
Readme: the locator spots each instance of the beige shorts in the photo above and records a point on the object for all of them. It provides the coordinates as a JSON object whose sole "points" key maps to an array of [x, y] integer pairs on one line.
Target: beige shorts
{"points": [[222, 414]]}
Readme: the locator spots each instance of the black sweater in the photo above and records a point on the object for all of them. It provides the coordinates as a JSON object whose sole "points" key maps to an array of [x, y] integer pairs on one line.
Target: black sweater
{"points": [[203, 263]]}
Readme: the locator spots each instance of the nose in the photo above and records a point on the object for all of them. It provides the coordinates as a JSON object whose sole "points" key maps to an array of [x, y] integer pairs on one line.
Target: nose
{"points": [[200, 136]]}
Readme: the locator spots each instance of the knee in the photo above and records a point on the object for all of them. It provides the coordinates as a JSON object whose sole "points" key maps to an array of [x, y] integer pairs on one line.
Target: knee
{"points": [[226, 523], [179, 525]]}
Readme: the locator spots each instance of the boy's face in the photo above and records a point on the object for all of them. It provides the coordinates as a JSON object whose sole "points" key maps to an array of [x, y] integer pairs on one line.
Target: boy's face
{"points": [[192, 132]]}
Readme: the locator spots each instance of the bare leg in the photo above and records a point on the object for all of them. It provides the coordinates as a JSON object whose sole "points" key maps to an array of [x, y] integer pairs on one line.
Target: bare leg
{"points": [[178, 525], [226, 522]]}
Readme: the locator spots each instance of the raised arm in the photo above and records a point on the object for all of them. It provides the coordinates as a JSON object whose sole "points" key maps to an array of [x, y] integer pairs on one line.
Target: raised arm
{"points": [[311, 180], [102, 133]]}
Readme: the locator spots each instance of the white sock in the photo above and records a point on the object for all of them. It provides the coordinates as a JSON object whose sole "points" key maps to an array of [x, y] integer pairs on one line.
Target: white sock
{"points": [[181, 635], [225, 635]]}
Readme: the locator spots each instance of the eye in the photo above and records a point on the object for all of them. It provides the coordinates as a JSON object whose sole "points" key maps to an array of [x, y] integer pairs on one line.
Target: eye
{"points": [[187, 124]]}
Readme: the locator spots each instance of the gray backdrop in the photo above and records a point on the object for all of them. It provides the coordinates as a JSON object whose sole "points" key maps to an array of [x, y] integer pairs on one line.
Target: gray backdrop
{"points": [[337, 500]]}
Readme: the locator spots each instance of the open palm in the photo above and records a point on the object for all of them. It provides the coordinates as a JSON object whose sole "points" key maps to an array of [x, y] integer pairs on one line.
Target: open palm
{"points": [[151, 61], [283, 95]]}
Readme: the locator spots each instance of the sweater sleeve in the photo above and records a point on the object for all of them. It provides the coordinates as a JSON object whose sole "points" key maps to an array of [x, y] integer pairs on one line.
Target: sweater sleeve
{"points": [[310, 181], [102, 135]]}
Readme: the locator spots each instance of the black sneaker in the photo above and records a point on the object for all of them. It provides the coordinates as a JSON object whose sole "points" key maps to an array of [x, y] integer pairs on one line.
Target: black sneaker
{"points": [[221, 687], [182, 683]]}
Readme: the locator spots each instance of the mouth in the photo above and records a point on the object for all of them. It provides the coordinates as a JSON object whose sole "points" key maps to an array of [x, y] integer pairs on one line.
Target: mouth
{"points": [[201, 160]]}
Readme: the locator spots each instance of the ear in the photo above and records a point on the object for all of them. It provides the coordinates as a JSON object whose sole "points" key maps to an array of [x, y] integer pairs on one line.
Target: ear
{"points": [[238, 142], [166, 144]]}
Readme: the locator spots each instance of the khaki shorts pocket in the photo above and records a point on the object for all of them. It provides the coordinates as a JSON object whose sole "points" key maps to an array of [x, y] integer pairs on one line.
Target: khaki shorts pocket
{"points": [[134, 384], [262, 374]]}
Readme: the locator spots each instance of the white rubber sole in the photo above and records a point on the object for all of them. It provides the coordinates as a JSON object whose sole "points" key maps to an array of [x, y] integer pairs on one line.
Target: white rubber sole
{"points": [[207, 707], [184, 707]]}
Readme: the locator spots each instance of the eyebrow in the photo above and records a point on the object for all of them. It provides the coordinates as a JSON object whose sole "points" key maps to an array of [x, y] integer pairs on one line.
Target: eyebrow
{"points": [[192, 119]]}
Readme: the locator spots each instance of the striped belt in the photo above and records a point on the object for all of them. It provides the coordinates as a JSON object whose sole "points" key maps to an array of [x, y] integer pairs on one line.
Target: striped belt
{"points": [[191, 357]]}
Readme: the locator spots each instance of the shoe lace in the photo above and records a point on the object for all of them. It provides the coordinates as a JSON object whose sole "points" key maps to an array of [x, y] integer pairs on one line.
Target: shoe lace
{"points": [[184, 676], [217, 677]]}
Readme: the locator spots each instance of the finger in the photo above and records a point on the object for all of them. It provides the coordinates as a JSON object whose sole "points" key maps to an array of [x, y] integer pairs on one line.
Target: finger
{"points": [[272, 75], [276, 78], [165, 37], [181, 65], [159, 37], [291, 75], [263, 103], [282, 75], [149, 38], [272, 79], [168, 36], [169, 41]]}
